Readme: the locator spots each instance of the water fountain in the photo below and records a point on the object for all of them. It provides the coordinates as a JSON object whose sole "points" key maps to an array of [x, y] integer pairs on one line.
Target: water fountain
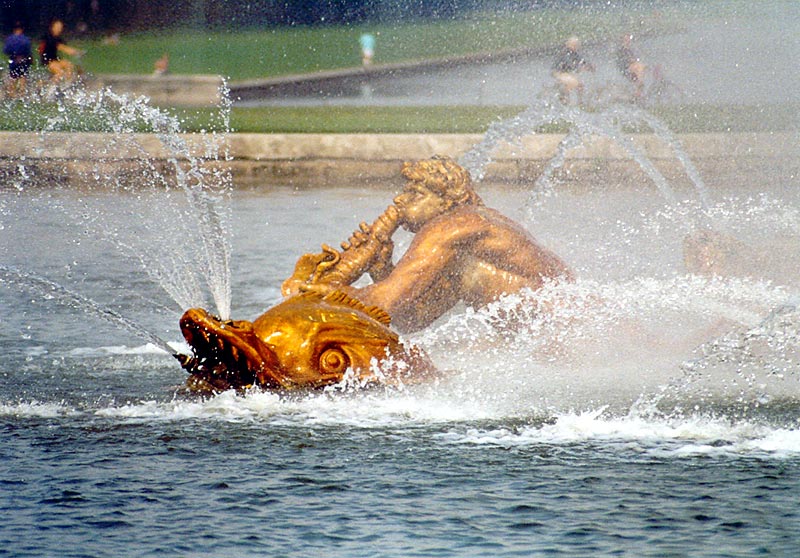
{"points": [[635, 377], [164, 206], [606, 120], [190, 199]]}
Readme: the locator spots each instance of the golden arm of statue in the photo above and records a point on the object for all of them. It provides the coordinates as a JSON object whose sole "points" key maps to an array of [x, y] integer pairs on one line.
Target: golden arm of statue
{"points": [[368, 250]]}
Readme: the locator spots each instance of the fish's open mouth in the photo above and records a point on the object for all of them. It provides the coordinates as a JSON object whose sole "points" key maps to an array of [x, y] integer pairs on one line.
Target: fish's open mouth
{"points": [[221, 359]]}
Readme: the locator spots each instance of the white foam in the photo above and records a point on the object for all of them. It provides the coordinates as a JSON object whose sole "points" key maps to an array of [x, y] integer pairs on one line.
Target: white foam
{"points": [[674, 437], [455, 418], [37, 409], [226, 406], [374, 407]]}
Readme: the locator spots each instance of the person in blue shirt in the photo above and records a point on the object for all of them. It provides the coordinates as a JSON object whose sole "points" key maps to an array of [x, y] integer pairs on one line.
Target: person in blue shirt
{"points": [[18, 49], [367, 41]]}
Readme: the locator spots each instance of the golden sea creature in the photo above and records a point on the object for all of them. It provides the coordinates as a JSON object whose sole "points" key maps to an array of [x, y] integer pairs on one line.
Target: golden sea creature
{"points": [[309, 340]]}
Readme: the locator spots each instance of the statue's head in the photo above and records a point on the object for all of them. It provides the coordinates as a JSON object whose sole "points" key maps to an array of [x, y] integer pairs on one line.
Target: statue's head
{"points": [[434, 186], [307, 341]]}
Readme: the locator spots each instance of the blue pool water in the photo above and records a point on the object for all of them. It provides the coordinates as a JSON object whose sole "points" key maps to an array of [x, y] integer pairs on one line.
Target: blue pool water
{"points": [[611, 428]]}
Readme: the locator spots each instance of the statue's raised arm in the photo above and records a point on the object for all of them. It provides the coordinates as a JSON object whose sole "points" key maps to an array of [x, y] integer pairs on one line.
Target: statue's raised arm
{"points": [[368, 250]]}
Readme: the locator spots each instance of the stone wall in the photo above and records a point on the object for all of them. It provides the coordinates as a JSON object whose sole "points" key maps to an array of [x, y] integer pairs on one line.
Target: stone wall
{"points": [[307, 160]]}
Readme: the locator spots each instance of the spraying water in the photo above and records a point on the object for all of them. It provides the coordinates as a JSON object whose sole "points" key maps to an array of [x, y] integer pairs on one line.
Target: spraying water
{"points": [[180, 239], [605, 120], [61, 295]]}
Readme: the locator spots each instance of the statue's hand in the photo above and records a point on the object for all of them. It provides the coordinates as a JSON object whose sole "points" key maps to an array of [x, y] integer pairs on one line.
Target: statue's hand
{"points": [[358, 238], [321, 288], [382, 266]]}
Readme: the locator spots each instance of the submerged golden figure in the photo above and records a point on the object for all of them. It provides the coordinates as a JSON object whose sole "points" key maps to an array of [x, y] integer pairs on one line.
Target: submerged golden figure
{"points": [[462, 251], [708, 252]]}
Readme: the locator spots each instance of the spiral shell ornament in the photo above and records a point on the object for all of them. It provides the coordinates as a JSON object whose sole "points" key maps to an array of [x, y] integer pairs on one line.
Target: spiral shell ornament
{"points": [[333, 360]]}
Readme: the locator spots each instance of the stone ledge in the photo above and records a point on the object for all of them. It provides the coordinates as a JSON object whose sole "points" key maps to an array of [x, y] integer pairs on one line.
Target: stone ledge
{"points": [[273, 147], [312, 159]]}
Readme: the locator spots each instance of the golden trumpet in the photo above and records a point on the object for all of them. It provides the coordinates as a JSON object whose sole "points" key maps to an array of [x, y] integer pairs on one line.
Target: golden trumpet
{"points": [[334, 267]]}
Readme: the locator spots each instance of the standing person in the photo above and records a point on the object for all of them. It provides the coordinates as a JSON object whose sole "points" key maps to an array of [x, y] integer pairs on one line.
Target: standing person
{"points": [[566, 68], [50, 50], [18, 49], [367, 42], [630, 65]]}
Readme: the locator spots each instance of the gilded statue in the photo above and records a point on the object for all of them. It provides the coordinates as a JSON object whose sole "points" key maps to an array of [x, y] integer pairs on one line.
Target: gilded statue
{"points": [[710, 252], [309, 340], [462, 251]]}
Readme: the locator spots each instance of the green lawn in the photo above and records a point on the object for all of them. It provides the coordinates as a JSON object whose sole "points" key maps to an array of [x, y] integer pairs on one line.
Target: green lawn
{"points": [[18, 116], [470, 119], [252, 54], [441, 119]]}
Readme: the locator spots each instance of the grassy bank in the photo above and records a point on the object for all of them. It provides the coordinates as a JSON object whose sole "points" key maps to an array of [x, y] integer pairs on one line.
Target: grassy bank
{"points": [[333, 120], [289, 50], [460, 119], [467, 119], [16, 116]]}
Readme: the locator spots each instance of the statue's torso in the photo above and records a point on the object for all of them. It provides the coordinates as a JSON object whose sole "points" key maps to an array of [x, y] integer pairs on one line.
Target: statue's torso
{"points": [[479, 255]]}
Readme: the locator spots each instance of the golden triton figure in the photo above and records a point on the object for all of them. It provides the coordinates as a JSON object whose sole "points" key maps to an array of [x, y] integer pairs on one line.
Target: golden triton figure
{"points": [[462, 251]]}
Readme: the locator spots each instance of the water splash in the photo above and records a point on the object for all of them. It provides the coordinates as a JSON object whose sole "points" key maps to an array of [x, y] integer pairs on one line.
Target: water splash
{"points": [[662, 437], [574, 346], [605, 120], [176, 214]]}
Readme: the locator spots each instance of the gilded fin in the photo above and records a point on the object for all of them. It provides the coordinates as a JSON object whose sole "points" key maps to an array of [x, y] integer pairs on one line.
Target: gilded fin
{"points": [[376, 313]]}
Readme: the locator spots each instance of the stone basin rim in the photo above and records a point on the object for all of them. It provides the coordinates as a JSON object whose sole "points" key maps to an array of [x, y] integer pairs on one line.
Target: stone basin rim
{"points": [[259, 147], [314, 160]]}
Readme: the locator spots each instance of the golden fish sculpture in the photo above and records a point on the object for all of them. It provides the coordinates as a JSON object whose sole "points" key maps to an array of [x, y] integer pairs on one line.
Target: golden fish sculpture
{"points": [[310, 340]]}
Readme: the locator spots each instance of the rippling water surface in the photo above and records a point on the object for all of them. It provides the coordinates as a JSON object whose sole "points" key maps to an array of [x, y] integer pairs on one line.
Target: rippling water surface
{"points": [[651, 413]]}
